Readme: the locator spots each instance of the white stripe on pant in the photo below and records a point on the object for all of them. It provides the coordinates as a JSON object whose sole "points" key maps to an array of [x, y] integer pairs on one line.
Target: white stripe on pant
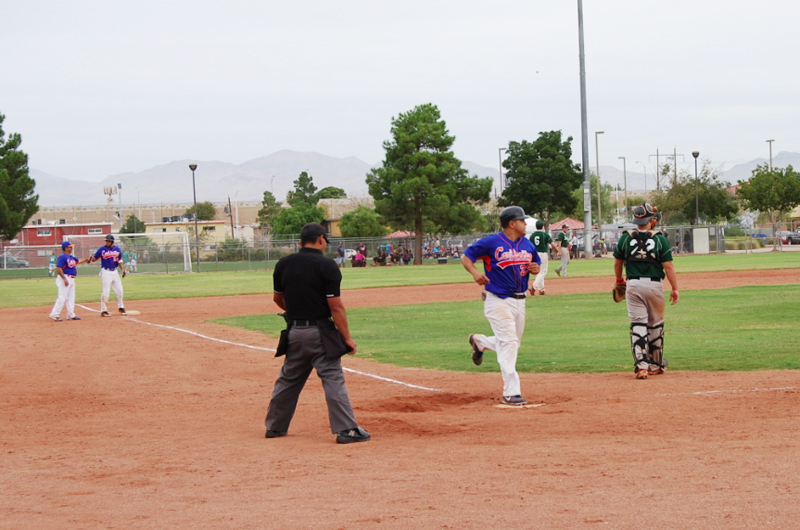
{"points": [[507, 318]]}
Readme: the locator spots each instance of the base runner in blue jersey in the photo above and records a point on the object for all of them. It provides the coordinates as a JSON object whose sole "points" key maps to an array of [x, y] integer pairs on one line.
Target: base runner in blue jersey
{"points": [[508, 258], [110, 257], [66, 270]]}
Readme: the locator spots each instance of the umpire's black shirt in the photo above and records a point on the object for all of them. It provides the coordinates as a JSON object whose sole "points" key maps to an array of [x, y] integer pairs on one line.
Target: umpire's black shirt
{"points": [[306, 280]]}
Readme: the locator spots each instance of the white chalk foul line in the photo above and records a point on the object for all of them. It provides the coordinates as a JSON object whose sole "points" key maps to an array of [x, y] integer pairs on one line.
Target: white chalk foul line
{"points": [[365, 374]]}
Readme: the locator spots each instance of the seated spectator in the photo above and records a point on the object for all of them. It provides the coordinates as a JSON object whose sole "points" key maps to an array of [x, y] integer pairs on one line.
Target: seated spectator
{"points": [[359, 259], [380, 259]]}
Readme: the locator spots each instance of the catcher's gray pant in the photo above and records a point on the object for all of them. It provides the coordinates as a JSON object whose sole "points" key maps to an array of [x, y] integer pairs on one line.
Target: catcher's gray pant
{"points": [[645, 299], [305, 353], [109, 279], [564, 261], [538, 282], [507, 318]]}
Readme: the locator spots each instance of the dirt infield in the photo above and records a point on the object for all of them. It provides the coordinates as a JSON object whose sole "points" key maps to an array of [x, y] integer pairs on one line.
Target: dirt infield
{"points": [[113, 423]]}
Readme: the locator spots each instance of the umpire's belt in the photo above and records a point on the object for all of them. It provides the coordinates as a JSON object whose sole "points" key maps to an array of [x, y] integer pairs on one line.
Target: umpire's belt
{"points": [[307, 322], [644, 278]]}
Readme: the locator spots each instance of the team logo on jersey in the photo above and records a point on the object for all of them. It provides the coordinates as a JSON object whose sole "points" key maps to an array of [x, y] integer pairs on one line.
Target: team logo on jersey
{"points": [[506, 258], [109, 254]]}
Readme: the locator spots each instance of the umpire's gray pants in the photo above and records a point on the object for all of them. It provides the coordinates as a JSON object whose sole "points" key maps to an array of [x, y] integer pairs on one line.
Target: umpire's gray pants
{"points": [[306, 353]]}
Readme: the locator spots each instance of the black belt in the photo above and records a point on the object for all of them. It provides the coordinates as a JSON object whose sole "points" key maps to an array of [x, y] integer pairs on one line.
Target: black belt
{"points": [[517, 296], [107, 269], [645, 278], [306, 322]]}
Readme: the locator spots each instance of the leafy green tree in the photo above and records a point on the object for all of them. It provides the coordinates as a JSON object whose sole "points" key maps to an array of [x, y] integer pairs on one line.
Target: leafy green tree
{"points": [[270, 207], [686, 195], [291, 220], [132, 226], [362, 222], [331, 192], [17, 201], [774, 191], [205, 211], [541, 176], [422, 180], [305, 192]]}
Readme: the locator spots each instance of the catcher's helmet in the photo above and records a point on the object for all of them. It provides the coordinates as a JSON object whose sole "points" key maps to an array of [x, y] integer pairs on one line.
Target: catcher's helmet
{"points": [[512, 213], [109, 237], [643, 213]]}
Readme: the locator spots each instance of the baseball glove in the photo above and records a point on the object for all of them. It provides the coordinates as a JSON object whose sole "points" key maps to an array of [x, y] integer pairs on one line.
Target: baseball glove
{"points": [[618, 293]]}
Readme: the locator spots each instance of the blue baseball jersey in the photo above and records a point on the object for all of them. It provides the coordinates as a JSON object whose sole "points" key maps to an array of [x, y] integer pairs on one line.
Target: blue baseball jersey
{"points": [[109, 257], [505, 262], [68, 264]]}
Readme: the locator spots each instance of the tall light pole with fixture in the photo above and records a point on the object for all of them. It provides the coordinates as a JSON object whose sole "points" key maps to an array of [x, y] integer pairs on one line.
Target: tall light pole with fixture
{"points": [[597, 165], [196, 233], [695, 154], [500, 162], [625, 183], [770, 153], [587, 195]]}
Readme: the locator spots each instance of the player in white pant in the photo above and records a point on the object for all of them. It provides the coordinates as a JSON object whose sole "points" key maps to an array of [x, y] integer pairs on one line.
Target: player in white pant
{"points": [[563, 246], [508, 257], [110, 258], [66, 270]]}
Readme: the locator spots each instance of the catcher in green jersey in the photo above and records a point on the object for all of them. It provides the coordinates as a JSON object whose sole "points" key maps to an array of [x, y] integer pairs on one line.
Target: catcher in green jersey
{"points": [[647, 258]]}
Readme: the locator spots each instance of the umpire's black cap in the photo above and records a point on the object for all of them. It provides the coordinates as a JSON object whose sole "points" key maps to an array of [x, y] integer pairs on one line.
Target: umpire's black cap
{"points": [[311, 233], [512, 213]]}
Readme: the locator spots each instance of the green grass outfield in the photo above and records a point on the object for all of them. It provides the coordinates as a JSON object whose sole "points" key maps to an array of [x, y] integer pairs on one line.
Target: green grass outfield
{"points": [[41, 291], [743, 328]]}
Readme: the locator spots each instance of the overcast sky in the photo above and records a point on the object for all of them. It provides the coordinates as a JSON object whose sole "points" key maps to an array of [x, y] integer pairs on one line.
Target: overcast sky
{"points": [[97, 88]]}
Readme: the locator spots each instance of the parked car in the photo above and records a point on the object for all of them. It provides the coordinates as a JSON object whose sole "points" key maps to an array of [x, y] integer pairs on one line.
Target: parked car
{"points": [[10, 262], [794, 237], [784, 235]]}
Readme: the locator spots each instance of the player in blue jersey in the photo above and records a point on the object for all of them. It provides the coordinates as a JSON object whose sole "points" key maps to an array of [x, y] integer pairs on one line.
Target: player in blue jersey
{"points": [[508, 257], [110, 257], [66, 270]]}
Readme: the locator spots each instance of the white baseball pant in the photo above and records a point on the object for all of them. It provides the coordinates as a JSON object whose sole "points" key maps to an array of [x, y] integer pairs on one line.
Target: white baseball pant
{"points": [[506, 316], [66, 296], [110, 279], [538, 282], [564, 261]]}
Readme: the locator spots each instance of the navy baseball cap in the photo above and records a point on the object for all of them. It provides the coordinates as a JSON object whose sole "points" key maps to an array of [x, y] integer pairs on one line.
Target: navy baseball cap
{"points": [[65, 244], [312, 231]]}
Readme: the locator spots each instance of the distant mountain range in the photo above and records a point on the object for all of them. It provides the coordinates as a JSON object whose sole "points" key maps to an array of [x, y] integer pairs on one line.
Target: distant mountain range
{"points": [[216, 181]]}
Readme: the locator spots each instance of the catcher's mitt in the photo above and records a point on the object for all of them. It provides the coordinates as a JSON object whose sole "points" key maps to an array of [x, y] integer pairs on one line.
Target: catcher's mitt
{"points": [[618, 292]]}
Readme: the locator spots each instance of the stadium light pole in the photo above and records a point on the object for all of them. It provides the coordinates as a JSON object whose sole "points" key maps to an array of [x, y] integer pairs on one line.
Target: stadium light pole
{"points": [[587, 195], [770, 153], [625, 183], [695, 154], [644, 168], [597, 165], [500, 166], [196, 233]]}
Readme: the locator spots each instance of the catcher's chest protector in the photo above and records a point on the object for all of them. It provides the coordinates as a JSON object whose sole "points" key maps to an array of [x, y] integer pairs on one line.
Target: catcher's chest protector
{"points": [[643, 247]]}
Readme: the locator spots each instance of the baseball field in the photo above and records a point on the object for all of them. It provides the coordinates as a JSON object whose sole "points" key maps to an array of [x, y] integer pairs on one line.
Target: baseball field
{"points": [[156, 420]]}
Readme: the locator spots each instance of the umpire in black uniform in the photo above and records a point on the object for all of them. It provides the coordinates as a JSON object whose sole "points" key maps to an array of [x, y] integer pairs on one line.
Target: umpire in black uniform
{"points": [[306, 287]]}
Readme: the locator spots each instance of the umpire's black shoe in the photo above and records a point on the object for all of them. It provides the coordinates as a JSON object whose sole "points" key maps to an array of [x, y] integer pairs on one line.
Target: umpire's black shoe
{"points": [[477, 354], [352, 435], [274, 434]]}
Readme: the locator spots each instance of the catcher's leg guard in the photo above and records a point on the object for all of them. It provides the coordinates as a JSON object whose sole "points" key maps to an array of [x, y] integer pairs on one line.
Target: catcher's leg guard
{"points": [[640, 345], [656, 340]]}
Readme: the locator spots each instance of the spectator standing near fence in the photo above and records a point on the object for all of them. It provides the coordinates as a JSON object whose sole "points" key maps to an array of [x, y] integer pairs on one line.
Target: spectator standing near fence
{"points": [[563, 247], [340, 256], [508, 258], [541, 240], [306, 285]]}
